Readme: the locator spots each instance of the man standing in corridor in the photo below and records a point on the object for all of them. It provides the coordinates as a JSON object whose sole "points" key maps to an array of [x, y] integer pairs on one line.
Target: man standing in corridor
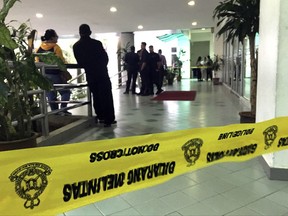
{"points": [[91, 55]]}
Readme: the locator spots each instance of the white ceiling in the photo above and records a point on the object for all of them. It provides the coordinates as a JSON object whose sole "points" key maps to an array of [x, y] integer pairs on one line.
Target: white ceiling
{"points": [[65, 16]]}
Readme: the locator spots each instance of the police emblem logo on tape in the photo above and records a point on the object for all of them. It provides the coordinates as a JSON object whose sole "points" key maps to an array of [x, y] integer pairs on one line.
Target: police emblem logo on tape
{"points": [[270, 134], [192, 150], [30, 182]]}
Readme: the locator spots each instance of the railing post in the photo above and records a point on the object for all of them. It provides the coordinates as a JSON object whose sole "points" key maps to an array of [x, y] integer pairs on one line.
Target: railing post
{"points": [[43, 103], [90, 102]]}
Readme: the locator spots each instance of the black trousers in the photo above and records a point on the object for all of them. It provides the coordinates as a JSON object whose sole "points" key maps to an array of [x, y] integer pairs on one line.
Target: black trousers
{"points": [[131, 76], [102, 99]]}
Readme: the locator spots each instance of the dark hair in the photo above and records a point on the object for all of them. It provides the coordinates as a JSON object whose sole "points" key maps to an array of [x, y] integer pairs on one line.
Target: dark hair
{"points": [[132, 48], [49, 34], [143, 43], [84, 30]]}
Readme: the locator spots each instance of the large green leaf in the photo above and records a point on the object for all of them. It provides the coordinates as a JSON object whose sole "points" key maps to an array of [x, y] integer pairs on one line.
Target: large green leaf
{"points": [[5, 38], [7, 5], [51, 59]]}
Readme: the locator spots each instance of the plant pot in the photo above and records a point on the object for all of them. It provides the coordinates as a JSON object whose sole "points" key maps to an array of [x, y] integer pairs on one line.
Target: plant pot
{"points": [[19, 144], [247, 117]]}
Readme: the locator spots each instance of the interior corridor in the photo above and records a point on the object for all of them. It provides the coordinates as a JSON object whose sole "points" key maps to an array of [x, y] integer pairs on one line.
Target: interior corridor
{"points": [[239, 188]]}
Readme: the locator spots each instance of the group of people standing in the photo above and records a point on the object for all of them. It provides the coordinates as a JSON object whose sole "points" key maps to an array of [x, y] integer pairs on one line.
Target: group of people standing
{"points": [[204, 68], [151, 67], [90, 55]]}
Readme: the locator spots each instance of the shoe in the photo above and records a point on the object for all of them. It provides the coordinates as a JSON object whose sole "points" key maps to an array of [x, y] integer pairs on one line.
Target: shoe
{"points": [[109, 124], [64, 113], [159, 91], [134, 93], [125, 92]]}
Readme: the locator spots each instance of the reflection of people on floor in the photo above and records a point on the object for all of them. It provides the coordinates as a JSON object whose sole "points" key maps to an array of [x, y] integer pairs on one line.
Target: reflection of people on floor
{"points": [[131, 60], [237, 68]]}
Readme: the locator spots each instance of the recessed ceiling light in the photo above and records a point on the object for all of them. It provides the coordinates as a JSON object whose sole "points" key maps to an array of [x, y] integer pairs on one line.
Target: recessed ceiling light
{"points": [[113, 9], [194, 23], [203, 29], [39, 15], [140, 27], [191, 3]]}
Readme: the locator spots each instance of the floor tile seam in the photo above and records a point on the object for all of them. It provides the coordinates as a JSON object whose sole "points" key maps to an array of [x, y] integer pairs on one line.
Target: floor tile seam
{"points": [[265, 197], [99, 209]]}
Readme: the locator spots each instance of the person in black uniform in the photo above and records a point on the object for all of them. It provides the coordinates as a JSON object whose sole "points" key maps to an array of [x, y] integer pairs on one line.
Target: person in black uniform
{"points": [[91, 55], [144, 71], [131, 60], [154, 63]]}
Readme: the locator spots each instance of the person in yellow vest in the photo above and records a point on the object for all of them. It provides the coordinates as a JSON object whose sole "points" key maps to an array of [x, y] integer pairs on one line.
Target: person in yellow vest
{"points": [[49, 44]]}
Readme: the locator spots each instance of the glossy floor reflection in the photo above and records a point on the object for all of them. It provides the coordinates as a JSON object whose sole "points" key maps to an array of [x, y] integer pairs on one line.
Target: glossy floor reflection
{"points": [[240, 188]]}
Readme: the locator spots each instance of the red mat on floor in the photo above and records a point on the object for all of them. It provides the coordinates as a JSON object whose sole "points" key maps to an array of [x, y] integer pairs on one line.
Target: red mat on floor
{"points": [[176, 96]]}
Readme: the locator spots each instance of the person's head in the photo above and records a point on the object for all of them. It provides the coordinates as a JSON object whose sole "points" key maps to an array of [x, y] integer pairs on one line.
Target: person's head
{"points": [[151, 49], [160, 51], [143, 45], [208, 56], [199, 58], [84, 30], [132, 48], [50, 36]]}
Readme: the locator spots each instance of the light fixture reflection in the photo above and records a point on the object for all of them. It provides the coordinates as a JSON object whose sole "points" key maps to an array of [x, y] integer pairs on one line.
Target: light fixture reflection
{"points": [[194, 23], [140, 27]]}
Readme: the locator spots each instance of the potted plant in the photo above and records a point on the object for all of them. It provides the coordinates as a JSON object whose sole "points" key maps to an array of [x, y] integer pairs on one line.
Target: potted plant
{"points": [[18, 75], [216, 68], [170, 75], [239, 19]]}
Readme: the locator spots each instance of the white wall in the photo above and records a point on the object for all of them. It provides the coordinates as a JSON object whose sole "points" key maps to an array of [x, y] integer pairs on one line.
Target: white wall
{"points": [[272, 69]]}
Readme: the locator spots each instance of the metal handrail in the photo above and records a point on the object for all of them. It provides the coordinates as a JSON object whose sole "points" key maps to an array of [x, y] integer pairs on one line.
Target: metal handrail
{"points": [[43, 116]]}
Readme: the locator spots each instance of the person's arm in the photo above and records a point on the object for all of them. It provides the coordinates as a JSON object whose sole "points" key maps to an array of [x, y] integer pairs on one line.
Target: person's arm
{"points": [[164, 62]]}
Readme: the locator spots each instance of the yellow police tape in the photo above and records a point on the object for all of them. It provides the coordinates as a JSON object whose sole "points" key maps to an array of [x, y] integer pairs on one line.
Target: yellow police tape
{"points": [[56, 179]]}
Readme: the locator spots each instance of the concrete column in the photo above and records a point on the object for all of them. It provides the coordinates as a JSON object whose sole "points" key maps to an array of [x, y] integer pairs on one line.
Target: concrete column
{"points": [[272, 99], [126, 39]]}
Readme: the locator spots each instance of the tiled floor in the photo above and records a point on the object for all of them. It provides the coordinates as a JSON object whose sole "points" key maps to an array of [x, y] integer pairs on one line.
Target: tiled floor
{"points": [[240, 188]]}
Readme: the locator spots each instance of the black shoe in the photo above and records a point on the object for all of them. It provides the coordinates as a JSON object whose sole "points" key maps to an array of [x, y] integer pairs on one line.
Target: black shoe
{"points": [[126, 92], [109, 124], [134, 93], [159, 91]]}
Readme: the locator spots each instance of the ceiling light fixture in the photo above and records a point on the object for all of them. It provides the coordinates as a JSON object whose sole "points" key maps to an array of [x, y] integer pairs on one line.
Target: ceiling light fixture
{"points": [[191, 3], [203, 29], [113, 9], [140, 27], [194, 23], [39, 15]]}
